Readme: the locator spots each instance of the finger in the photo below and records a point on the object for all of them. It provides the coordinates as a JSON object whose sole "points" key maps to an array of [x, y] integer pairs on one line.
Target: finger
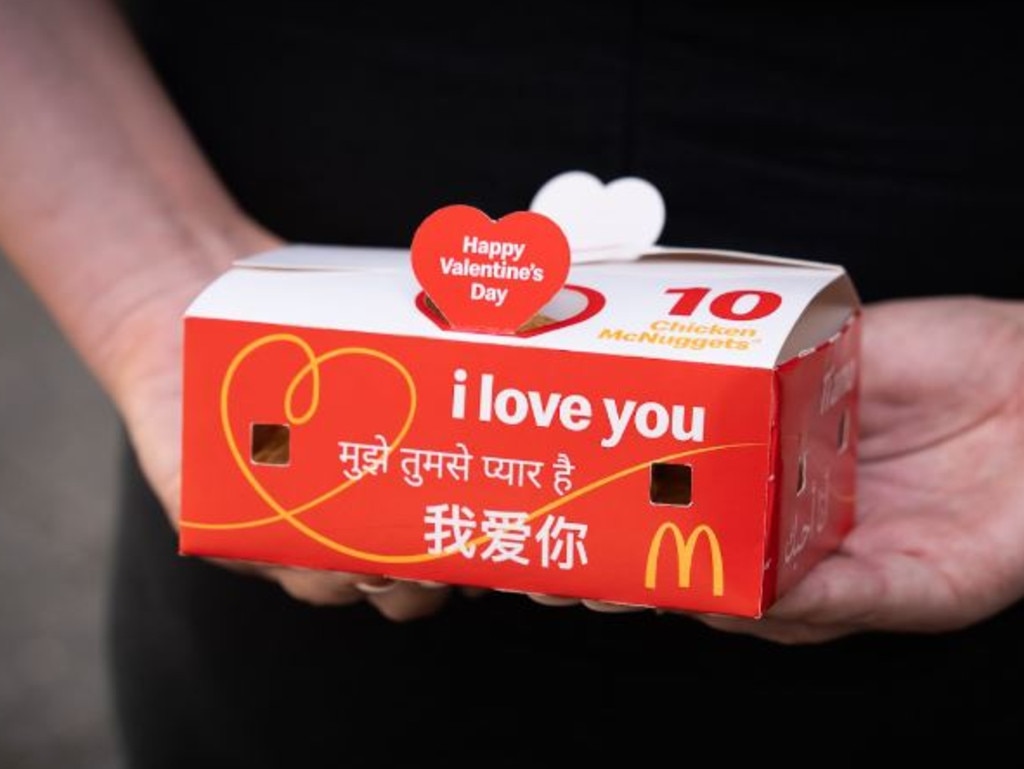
{"points": [[778, 631], [409, 601], [376, 585], [611, 608], [430, 585], [845, 594], [318, 588], [893, 591], [260, 569]]}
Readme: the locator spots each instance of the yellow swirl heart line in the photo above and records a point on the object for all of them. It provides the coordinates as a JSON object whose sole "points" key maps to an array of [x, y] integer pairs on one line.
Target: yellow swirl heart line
{"points": [[311, 369]]}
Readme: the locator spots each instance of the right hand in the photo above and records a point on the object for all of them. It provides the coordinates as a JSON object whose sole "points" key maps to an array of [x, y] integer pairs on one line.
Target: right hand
{"points": [[147, 393]]}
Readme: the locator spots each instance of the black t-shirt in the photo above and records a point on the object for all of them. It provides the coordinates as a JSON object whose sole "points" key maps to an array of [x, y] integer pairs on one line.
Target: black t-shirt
{"points": [[887, 140]]}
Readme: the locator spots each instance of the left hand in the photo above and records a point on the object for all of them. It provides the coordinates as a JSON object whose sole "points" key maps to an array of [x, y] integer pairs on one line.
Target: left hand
{"points": [[938, 542]]}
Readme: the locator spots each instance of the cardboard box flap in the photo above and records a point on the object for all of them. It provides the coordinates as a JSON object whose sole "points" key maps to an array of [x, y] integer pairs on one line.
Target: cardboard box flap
{"points": [[379, 258], [674, 256], [316, 257], [735, 310], [740, 310], [831, 309]]}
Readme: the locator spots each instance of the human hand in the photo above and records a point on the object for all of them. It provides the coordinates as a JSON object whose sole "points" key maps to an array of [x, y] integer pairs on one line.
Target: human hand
{"points": [[149, 398], [938, 542], [114, 216]]}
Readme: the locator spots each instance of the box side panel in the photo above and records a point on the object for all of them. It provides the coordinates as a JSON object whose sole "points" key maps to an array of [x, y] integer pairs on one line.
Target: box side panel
{"points": [[629, 480], [769, 581], [817, 453]]}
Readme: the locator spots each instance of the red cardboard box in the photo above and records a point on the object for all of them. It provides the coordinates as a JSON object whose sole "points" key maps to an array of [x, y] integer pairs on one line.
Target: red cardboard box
{"points": [[680, 432]]}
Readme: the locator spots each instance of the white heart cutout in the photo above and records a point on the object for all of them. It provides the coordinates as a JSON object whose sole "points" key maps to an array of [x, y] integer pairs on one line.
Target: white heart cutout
{"points": [[627, 213]]}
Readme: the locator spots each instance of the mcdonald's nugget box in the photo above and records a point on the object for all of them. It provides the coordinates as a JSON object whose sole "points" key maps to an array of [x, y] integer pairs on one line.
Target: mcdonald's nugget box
{"points": [[664, 427]]}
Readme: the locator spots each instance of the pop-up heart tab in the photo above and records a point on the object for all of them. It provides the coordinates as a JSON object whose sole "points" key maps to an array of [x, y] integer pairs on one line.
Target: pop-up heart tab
{"points": [[489, 275]]}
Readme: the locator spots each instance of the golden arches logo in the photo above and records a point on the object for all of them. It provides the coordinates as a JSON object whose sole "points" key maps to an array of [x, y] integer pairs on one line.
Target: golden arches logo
{"points": [[685, 547]]}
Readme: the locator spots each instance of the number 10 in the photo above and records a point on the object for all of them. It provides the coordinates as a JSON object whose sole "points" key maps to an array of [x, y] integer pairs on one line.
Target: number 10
{"points": [[724, 305]]}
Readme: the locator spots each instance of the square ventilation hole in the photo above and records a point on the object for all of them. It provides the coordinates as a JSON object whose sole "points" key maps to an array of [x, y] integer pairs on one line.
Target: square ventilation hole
{"points": [[671, 484], [270, 444]]}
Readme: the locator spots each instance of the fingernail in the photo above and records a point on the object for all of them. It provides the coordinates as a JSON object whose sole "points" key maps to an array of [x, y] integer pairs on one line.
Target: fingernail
{"points": [[552, 600], [381, 585], [610, 608]]}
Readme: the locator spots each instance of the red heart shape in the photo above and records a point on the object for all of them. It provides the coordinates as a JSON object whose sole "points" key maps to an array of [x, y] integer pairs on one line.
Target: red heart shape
{"points": [[486, 275]]}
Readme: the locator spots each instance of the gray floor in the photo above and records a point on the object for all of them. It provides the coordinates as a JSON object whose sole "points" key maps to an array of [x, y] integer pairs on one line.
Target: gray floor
{"points": [[57, 449]]}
